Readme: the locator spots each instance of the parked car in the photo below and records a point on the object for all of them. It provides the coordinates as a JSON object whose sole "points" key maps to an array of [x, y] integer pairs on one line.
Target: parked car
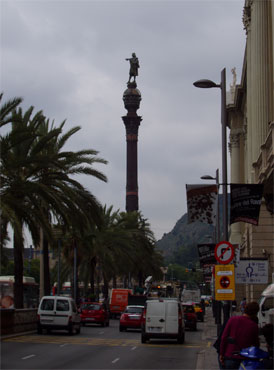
{"points": [[190, 316], [163, 318], [94, 313], [58, 313], [131, 317], [199, 311]]}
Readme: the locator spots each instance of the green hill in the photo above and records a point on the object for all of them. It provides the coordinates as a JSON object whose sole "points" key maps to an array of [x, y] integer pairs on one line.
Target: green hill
{"points": [[180, 244]]}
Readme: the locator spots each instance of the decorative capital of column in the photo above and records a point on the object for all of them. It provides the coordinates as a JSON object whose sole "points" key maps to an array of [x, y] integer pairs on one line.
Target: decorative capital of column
{"points": [[247, 15], [235, 136], [132, 124]]}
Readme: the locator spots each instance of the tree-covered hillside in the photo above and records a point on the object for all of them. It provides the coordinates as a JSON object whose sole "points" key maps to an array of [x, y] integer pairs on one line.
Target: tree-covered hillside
{"points": [[180, 245]]}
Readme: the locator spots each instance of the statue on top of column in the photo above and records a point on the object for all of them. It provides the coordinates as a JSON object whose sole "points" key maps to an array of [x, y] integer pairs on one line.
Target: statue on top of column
{"points": [[134, 65]]}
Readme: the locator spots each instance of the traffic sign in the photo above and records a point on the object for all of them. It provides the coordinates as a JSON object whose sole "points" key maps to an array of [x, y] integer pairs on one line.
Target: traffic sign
{"points": [[224, 252], [224, 283]]}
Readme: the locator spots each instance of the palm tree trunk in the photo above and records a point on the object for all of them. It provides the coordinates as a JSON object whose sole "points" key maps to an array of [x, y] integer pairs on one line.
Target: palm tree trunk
{"points": [[114, 282], [47, 284], [18, 269], [91, 276], [105, 292]]}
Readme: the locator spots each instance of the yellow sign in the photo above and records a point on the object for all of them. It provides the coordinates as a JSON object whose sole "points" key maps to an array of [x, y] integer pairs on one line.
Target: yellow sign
{"points": [[224, 282]]}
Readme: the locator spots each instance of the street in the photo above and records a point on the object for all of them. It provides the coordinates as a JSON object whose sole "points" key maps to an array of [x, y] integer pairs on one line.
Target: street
{"points": [[101, 348]]}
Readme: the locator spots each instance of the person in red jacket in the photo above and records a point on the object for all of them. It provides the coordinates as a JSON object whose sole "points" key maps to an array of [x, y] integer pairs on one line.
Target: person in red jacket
{"points": [[240, 332]]}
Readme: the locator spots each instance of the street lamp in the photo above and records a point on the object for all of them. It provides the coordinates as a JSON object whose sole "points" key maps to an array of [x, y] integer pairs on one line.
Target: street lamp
{"points": [[207, 84]]}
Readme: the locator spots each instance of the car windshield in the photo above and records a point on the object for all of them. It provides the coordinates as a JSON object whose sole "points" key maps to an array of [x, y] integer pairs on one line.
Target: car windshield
{"points": [[188, 309], [134, 310], [90, 306]]}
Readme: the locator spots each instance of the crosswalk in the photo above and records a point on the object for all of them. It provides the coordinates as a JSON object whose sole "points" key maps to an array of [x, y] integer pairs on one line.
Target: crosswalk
{"points": [[111, 342]]}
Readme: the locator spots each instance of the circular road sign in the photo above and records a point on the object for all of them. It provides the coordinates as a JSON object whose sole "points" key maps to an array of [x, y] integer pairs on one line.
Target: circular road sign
{"points": [[224, 252], [224, 282]]}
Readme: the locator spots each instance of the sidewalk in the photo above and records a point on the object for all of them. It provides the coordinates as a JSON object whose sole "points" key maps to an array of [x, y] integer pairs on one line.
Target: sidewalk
{"points": [[207, 358]]}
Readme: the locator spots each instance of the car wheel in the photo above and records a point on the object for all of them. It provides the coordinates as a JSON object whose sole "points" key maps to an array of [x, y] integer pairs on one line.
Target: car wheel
{"points": [[107, 323], [144, 338], [48, 331], [83, 323], [39, 329], [122, 328], [181, 338], [78, 331], [195, 327], [70, 329], [202, 319], [103, 324]]}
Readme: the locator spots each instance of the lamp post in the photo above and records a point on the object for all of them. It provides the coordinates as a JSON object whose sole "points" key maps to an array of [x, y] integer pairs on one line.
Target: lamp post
{"points": [[216, 178], [217, 307], [207, 84]]}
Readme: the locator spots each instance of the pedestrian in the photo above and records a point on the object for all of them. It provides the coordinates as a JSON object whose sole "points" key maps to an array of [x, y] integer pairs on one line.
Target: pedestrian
{"points": [[243, 305], [240, 332], [217, 345], [234, 306]]}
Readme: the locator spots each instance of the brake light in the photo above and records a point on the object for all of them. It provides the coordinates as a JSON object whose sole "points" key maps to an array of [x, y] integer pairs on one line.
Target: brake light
{"points": [[201, 310]]}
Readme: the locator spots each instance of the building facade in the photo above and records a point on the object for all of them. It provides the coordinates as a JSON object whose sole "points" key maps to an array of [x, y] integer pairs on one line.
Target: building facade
{"points": [[251, 123]]}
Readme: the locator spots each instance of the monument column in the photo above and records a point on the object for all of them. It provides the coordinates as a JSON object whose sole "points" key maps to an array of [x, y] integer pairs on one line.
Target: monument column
{"points": [[132, 98]]}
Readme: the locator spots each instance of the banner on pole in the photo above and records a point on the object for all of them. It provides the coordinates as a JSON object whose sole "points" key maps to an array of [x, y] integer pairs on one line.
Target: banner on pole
{"points": [[245, 203], [202, 203]]}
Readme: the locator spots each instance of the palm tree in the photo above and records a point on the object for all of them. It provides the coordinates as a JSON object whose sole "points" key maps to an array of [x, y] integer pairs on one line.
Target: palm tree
{"points": [[65, 164], [7, 108], [33, 174]]}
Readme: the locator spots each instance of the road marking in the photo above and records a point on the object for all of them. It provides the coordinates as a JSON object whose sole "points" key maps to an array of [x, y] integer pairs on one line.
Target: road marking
{"points": [[91, 341], [117, 359], [26, 357], [133, 348], [63, 345], [101, 332]]}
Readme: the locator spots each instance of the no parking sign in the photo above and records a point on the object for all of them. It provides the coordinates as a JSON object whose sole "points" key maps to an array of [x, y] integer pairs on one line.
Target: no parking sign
{"points": [[224, 282]]}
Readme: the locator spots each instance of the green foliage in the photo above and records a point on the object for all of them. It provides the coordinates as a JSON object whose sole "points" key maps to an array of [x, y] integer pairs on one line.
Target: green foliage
{"points": [[180, 245]]}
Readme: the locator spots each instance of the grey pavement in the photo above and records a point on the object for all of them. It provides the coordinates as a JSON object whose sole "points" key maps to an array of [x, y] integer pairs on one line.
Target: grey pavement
{"points": [[207, 358]]}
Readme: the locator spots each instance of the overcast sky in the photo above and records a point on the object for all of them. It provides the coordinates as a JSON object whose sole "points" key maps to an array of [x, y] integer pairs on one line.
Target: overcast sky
{"points": [[67, 58]]}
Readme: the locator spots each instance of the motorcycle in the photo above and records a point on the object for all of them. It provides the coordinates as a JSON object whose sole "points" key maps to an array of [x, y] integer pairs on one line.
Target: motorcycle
{"points": [[253, 358]]}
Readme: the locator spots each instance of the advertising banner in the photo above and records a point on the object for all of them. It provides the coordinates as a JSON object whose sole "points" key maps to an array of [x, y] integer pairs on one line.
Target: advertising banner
{"points": [[252, 271], [206, 253], [245, 203], [202, 203]]}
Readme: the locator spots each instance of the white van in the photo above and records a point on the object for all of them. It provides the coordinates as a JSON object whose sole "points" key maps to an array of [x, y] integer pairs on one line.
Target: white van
{"points": [[266, 303], [59, 313], [163, 318]]}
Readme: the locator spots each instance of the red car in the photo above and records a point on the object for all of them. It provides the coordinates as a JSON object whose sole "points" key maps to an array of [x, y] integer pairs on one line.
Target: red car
{"points": [[131, 318], [190, 316], [94, 313]]}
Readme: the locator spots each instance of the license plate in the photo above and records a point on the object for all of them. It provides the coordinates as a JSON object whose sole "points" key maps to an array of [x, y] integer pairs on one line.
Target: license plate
{"points": [[153, 329], [134, 317], [44, 321]]}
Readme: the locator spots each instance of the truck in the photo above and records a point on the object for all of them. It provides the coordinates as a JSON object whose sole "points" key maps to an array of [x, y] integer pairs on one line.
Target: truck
{"points": [[118, 301], [190, 292]]}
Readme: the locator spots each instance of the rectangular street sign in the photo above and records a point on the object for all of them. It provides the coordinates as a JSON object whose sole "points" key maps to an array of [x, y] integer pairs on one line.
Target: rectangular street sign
{"points": [[224, 282], [252, 271]]}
